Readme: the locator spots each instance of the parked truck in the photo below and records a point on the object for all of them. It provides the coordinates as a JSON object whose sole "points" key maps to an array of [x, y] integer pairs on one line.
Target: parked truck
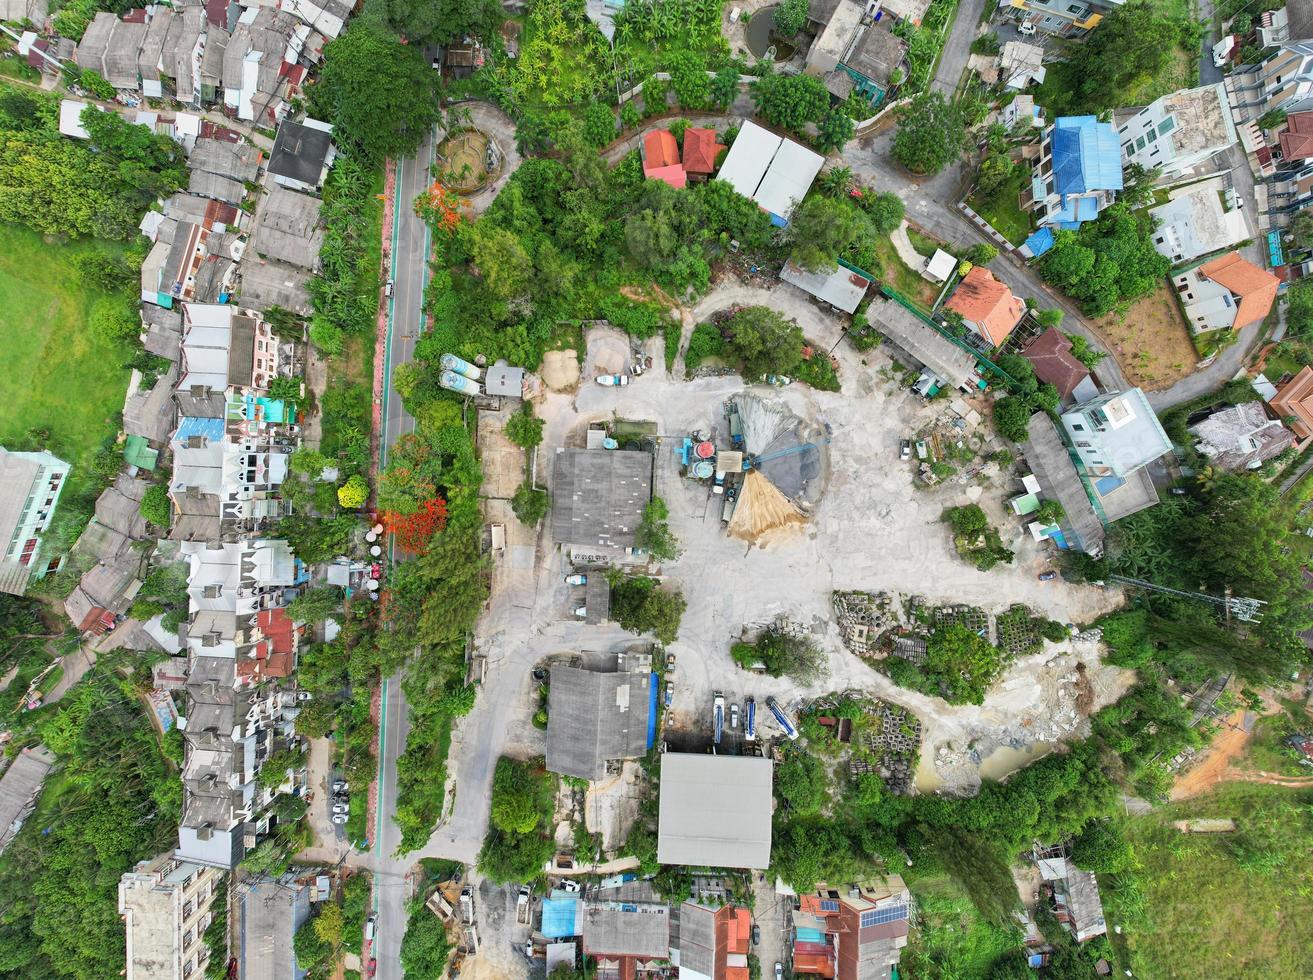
{"points": [[750, 719], [523, 913], [735, 426], [782, 718], [718, 710]]}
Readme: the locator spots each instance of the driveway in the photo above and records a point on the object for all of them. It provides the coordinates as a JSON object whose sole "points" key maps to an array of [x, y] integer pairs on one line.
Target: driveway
{"points": [[957, 49]]}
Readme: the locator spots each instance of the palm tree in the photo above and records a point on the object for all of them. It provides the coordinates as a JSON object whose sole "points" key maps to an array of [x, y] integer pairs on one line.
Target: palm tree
{"points": [[836, 182]]}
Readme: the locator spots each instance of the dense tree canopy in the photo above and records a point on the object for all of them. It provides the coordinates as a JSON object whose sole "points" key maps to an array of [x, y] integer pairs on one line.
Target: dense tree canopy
{"points": [[822, 229], [97, 187], [440, 21], [764, 341], [375, 113], [790, 101], [1134, 42], [1106, 261], [931, 134]]}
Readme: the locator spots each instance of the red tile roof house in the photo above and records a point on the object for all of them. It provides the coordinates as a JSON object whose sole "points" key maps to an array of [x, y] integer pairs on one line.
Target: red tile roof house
{"points": [[1226, 292], [660, 155], [986, 305], [700, 152], [1297, 138], [856, 933], [1054, 363]]}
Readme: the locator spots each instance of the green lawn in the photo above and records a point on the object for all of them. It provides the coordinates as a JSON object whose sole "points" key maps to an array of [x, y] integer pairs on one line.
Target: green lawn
{"points": [[54, 374], [1003, 209], [1238, 902]]}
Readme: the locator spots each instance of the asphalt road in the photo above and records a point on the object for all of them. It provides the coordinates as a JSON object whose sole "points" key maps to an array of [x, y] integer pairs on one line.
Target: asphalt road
{"points": [[957, 47], [409, 272]]}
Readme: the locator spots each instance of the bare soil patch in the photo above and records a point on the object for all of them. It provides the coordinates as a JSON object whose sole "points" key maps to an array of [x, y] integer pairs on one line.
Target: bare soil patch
{"points": [[1150, 340]]}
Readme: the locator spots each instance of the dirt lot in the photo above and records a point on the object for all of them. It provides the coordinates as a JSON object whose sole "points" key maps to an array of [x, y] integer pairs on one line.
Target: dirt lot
{"points": [[871, 530], [1151, 341], [1227, 746]]}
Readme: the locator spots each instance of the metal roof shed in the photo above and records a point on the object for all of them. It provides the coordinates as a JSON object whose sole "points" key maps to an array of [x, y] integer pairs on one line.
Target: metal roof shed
{"points": [[715, 810], [595, 717], [749, 158], [843, 289], [505, 381], [950, 363], [787, 180]]}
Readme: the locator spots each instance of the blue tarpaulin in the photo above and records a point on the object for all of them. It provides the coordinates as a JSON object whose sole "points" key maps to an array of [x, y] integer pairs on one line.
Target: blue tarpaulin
{"points": [[652, 709], [210, 429], [1039, 243]]}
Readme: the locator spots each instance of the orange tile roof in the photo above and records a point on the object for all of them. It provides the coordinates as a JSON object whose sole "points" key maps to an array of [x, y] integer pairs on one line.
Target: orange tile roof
{"points": [[673, 175], [736, 973], [1297, 139], [983, 300], [700, 150], [740, 936], [1256, 288], [659, 150], [1294, 400], [821, 966]]}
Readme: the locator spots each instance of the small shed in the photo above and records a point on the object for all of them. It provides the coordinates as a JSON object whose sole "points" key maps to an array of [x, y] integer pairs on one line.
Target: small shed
{"points": [[843, 289], [939, 266], [505, 381]]}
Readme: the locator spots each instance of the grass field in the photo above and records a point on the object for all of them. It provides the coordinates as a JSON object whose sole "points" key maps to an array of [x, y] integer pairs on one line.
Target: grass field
{"points": [[1238, 903], [953, 939], [1003, 208], [54, 374]]}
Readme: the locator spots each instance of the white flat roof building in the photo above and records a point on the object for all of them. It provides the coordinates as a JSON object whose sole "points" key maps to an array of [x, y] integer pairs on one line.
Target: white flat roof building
{"points": [[715, 810], [788, 179], [774, 172], [749, 158], [1194, 223]]}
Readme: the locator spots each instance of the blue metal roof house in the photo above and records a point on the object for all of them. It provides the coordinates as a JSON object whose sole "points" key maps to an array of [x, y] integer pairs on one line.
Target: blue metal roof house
{"points": [[1079, 172]]}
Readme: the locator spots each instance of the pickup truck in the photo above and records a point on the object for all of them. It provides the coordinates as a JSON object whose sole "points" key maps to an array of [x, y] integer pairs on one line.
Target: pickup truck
{"points": [[523, 915]]}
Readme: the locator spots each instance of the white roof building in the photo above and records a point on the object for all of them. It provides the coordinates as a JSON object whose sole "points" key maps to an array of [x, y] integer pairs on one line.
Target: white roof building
{"points": [[1194, 223], [774, 172], [70, 118], [1178, 132], [939, 266], [715, 810], [749, 158]]}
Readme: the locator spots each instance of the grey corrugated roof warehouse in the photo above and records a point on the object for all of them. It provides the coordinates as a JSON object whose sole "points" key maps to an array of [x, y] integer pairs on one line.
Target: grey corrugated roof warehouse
{"points": [[593, 717], [953, 365], [715, 810], [598, 496], [630, 921], [1052, 466]]}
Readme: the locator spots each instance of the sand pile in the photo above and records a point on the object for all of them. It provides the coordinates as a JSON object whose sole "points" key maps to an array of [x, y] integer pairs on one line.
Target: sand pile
{"points": [[560, 369], [761, 508]]}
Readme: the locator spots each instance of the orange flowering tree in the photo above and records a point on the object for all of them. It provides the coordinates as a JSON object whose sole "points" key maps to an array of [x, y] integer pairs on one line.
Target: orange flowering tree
{"points": [[439, 208], [414, 531]]}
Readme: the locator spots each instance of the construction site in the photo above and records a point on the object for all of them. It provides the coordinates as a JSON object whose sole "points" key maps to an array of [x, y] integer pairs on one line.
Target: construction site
{"points": [[780, 496]]}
